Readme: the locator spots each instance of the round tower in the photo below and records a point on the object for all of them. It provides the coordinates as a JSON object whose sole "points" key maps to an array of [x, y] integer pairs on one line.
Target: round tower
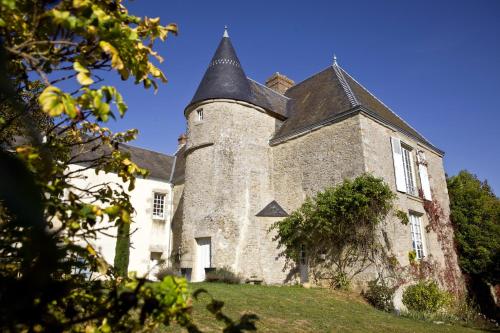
{"points": [[228, 171]]}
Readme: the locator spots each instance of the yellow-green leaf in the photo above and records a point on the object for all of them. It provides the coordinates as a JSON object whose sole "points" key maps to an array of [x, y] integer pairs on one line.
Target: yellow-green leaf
{"points": [[91, 250], [83, 76], [50, 101], [116, 61]]}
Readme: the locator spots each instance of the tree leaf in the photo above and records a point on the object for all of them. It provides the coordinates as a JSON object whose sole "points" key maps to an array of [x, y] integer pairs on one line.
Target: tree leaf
{"points": [[83, 76], [116, 61]]}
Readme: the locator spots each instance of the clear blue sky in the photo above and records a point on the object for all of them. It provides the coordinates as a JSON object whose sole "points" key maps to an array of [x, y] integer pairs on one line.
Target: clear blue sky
{"points": [[435, 63]]}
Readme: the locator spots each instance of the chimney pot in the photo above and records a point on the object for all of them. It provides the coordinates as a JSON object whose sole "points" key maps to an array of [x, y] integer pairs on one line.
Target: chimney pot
{"points": [[279, 82]]}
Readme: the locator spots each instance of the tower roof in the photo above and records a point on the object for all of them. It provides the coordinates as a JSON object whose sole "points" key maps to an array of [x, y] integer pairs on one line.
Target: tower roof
{"points": [[224, 77]]}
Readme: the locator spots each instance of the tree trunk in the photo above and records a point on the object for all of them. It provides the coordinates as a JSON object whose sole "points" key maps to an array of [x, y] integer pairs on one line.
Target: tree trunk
{"points": [[122, 249]]}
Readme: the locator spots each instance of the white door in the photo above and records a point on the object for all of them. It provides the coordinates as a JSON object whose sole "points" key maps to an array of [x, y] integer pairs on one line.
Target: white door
{"points": [[202, 258]]}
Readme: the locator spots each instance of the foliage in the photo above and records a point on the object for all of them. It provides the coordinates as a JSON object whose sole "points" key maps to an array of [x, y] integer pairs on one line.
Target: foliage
{"points": [[412, 257], [53, 118], [224, 275], [403, 217], [425, 297], [341, 281], [337, 227], [164, 271], [380, 295], [475, 213]]}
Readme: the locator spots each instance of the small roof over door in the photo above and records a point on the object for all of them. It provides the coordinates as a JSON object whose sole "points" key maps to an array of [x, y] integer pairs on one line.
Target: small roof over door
{"points": [[273, 209]]}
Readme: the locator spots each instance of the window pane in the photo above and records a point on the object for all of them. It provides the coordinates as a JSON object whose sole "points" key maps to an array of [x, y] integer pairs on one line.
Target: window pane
{"points": [[416, 235], [408, 171], [159, 205]]}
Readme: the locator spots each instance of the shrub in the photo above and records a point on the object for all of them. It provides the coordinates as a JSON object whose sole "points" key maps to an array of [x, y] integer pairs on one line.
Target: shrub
{"points": [[165, 271], [224, 275], [425, 297], [341, 281], [380, 295]]}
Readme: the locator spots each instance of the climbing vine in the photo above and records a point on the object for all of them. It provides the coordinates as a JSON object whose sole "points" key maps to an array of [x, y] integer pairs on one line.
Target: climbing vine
{"points": [[442, 227]]}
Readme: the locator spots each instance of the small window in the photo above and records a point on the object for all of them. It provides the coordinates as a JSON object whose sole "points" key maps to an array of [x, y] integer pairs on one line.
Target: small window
{"points": [[155, 256], [159, 206], [416, 235], [199, 113], [303, 255], [408, 170]]}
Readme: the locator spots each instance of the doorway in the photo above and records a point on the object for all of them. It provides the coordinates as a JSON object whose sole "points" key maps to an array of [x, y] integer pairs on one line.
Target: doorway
{"points": [[202, 258]]}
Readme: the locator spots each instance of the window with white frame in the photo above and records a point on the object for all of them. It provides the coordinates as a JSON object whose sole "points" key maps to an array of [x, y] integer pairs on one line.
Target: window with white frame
{"points": [[199, 113], [416, 235], [159, 205], [408, 170]]}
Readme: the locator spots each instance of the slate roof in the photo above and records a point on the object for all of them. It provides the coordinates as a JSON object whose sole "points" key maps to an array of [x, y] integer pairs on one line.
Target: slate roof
{"points": [[225, 78], [273, 209], [330, 94], [268, 99], [158, 164]]}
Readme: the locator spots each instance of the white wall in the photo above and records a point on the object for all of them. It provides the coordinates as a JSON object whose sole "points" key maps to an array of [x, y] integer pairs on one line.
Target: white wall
{"points": [[148, 234]]}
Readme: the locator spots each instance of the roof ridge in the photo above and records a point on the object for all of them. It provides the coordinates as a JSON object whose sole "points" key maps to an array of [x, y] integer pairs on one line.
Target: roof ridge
{"points": [[388, 108], [263, 85], [345, 85]]}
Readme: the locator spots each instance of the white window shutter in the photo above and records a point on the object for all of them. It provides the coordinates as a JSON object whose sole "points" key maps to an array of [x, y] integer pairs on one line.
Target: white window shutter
{"points": [[424, 175], [397, 156]]}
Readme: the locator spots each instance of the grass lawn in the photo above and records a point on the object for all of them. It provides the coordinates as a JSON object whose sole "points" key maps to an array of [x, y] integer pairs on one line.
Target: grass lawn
{"points": [[296, 309]]}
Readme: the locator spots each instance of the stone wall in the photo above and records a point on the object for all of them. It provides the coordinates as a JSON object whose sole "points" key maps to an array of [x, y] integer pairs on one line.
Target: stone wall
{"points": [[379, 161], [228, 181], [232, 173], [310, 163]]}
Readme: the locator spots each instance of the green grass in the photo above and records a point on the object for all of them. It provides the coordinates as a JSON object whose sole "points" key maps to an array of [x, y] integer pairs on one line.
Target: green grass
{"points": [[296, 309]]}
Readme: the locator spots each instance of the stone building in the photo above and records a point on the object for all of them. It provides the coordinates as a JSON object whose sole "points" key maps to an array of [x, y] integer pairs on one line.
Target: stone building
{"points": [[253, 153]]}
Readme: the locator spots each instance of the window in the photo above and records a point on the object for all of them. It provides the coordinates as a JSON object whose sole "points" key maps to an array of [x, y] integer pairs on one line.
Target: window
{"points": [[303, 258], [159, 206], [416, 235], [199, 113], [408, 171]]}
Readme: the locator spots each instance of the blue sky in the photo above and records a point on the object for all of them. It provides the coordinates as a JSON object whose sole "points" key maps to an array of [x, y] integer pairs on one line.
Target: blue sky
{"points": [[435, 63]]}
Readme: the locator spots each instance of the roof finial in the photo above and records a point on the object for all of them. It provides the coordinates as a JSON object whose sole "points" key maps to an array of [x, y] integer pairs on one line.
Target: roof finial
{"points": [[225, 32], [334, 60]]}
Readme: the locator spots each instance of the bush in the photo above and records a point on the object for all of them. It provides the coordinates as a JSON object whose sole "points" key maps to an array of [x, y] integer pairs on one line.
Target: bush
{"points": [[341, 281], [380, 295], [224, 275], [165, 271], [425, 297]]}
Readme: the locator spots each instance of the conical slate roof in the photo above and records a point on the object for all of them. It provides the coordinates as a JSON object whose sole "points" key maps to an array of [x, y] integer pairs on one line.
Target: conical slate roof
{"points": [[224, 77]]}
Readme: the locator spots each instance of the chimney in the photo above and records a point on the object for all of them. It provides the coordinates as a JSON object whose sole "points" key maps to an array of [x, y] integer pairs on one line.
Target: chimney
{"points": [[279, 82], [182, 139]]}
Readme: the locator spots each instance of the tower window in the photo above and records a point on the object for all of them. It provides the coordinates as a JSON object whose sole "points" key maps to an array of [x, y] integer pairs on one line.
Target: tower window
{"points": [[159, 206], [199, 113]]}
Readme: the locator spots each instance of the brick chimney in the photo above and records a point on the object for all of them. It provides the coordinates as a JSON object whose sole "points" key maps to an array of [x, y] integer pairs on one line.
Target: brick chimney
{"points": [[279, 82], [182, 139]]}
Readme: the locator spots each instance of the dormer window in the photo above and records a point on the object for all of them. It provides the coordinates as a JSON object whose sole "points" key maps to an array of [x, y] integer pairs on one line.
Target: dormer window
{"points": [[199, 113]]}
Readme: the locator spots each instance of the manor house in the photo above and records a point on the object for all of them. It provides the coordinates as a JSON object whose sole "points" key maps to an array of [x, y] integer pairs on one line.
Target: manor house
{"points": [[253, 152]]}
